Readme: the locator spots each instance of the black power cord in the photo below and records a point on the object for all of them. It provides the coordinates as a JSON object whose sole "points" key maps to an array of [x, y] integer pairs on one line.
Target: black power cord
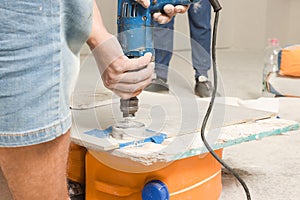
{"points": [[215, 4]]}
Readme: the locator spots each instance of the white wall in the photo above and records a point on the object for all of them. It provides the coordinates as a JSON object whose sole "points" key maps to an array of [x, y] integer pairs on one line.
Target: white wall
{"points": [[254, 21], [248, 23], [244, 24], [108, 9], [292, 34]]}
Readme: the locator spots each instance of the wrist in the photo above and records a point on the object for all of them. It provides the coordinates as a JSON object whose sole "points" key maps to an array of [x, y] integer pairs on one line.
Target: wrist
{"points": [[107, 52], [96, 39]]}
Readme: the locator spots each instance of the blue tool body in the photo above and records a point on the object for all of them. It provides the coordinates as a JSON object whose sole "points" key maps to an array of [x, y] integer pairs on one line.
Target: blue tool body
{"points": [[135, 24], [135, 33]]}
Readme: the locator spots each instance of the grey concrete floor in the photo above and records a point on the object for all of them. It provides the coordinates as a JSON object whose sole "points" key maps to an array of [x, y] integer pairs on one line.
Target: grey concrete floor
{"points": [[271, 166]]}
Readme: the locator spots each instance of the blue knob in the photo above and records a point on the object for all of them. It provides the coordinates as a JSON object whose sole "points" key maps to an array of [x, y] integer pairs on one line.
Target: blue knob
{"points": [[155, 190]]}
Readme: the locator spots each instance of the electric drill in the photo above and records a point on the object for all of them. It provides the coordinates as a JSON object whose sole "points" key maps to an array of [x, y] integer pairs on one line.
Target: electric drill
{"points": [[135, 35], [135, 25]]}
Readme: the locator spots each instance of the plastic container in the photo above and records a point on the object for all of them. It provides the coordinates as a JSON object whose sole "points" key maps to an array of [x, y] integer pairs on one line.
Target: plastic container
{"points": [[76, 163], [270, 62], [197, 177]]}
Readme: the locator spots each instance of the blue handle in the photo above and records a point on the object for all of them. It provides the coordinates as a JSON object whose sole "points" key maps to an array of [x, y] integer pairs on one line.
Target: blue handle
{"points": [[155, 7]]}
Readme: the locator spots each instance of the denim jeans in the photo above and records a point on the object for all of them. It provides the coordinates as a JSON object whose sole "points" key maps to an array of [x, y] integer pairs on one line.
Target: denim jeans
{"points": [[199, 16], [39, 63]]}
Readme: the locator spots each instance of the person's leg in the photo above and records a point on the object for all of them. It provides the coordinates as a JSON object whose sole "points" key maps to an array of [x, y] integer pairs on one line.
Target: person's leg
{"points": [[200, 32], [38, 171], [163, 43]]}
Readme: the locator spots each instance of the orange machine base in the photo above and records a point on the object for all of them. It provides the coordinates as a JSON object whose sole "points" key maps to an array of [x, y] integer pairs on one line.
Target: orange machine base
{"points": [[193, 178]]}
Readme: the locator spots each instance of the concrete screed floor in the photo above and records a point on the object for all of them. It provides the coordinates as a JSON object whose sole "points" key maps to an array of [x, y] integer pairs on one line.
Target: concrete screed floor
{"points": [[271, 166]]}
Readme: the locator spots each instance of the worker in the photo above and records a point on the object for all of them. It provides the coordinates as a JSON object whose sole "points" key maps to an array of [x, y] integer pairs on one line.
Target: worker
{"points": [[199, 15], [39, 62]]}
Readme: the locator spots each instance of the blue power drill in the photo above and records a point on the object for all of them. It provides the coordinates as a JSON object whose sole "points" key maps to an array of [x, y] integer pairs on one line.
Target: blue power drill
{"points": [[135, 35], [135, 25]]}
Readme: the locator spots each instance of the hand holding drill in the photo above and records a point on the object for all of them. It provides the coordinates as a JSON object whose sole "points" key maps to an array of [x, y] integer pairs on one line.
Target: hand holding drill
{"points": [[128, 77], [169, 11]]}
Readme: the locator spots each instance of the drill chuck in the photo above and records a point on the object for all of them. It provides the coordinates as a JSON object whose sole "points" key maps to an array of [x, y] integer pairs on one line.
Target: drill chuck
{"points": [[129, 106]]}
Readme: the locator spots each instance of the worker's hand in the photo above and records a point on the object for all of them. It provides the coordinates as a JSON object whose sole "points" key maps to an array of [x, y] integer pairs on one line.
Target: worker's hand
{"points": [[145, 3], [125, 77], [169, 12], [128, 77]]}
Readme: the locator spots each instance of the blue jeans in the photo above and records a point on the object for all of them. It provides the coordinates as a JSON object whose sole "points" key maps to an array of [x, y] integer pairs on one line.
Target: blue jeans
{"points": [[39, 62], [199, 15]]}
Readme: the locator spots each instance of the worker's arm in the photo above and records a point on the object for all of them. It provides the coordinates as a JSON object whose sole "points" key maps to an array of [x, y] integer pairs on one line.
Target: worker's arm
{"points": [[114, 65]]}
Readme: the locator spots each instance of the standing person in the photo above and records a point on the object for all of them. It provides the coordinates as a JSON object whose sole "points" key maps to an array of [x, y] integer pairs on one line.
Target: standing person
{"points": [[40, 43], [199, 15]]}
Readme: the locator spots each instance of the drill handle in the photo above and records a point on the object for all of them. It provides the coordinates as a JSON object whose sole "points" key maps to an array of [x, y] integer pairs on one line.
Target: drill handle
{"points": [[158, 5]]}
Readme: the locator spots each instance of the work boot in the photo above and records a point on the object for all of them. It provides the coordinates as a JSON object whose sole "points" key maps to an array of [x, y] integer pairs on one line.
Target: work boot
{"points": [[203, 87], [76, 190], [158, 85]]}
